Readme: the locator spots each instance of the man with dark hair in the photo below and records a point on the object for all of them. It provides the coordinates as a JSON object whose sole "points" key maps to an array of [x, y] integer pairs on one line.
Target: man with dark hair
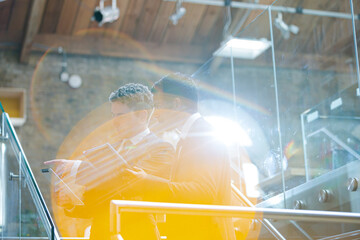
{"points": [[201, 173], [181, 86], [106, 178]]}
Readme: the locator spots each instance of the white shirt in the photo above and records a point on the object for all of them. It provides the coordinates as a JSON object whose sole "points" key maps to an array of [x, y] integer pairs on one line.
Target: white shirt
{"points": [[138, 137], [188, 124]]}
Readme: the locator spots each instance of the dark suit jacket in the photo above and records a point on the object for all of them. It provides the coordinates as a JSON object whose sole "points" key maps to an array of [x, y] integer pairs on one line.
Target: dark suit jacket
{"points": [[201, 175], [151, 154]]}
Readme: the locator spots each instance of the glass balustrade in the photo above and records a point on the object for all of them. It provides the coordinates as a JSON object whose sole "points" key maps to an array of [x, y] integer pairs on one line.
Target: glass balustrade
{"points": [[24, 213], [296, 105]]}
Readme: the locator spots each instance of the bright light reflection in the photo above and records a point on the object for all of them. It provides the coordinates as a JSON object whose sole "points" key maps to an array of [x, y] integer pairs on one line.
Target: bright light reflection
{"points": [[251, 176], [243, 48], [229, 131]]}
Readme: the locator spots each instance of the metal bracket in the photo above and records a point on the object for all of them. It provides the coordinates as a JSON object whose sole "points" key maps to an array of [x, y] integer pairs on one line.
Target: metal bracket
{"points": [[13, 176], [3, 136]]}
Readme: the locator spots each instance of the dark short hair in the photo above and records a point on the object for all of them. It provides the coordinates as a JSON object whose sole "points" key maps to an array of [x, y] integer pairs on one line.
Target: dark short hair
{"points": [[177, 84], [135, 95]]}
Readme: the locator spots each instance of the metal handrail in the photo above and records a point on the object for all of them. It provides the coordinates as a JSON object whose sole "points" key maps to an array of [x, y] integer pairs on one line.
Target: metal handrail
{"points": [[1, 108], [284, 9], [118, 206]]}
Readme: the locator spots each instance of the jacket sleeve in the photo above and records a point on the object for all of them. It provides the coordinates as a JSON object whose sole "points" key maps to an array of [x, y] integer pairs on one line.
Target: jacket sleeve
{"points": [[157, 164], [199, 176], [156, 159]]}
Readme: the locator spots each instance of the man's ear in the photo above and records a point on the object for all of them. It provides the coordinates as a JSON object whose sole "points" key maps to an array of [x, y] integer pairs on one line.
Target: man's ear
{"points": [[177, 103]]}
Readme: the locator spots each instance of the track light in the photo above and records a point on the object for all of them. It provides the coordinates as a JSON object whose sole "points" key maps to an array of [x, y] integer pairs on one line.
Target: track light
{"points": [[106, 14], [284, 28], [179, 13], [73, 80]]}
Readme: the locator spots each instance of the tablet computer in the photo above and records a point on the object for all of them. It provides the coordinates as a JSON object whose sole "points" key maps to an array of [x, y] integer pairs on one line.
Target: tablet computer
{"points": [[104, 155], [60, 185]]}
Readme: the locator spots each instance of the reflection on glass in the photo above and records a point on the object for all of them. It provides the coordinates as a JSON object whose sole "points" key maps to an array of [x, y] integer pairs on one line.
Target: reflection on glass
{"points": [[228, 131], [243, 48], [298, 107], [331, 138], [314, 65]]}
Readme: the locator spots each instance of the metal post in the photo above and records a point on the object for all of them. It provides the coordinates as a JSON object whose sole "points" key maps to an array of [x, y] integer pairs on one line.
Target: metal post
{"points": [[20, 186], [306, 163], [3, 184], [255, 6], [355, 47], [3, 126], [277, 104], [235, 211]]}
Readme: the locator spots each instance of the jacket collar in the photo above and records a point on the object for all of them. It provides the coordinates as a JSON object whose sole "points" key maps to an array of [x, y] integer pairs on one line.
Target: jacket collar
{"points": [[137, 138], [188, 124]]}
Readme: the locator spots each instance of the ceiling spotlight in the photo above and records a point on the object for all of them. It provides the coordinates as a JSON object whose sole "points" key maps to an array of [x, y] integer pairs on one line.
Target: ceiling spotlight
{"points": [[179, 13], [284, 28], [64, 75], [106, 14]]}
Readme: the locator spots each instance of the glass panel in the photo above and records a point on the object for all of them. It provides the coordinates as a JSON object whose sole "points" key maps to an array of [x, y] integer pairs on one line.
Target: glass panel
{"points": [[10, 191], [216, 103], [24, 198], [317, 81], [257, 113], [356, 12], [32, 224], [246, 97]]}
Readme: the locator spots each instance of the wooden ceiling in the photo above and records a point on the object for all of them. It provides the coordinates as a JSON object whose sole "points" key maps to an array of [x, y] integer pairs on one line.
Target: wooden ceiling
{"points": [[144, 30]]}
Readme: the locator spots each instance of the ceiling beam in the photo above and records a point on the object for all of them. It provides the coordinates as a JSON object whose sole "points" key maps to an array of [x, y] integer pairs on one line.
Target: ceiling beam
{"points": [[344, 42], [33, 25], [123, 47]]}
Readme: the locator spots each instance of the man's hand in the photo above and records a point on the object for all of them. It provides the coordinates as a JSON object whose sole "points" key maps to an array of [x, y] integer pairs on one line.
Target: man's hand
{"points": [[62, 199], [137, 172], [60, 165]]}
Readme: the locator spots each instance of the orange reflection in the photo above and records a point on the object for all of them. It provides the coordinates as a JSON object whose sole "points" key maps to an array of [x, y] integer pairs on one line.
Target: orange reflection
{"points": [[199, 172]]}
